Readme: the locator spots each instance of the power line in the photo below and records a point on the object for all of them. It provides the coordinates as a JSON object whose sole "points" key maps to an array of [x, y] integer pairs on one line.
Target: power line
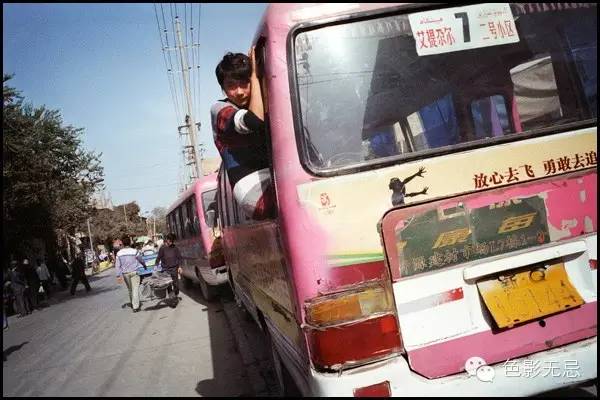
{"points": [[194, 75], [177, 59], [170, 68], [198, 50], [169, 78]]}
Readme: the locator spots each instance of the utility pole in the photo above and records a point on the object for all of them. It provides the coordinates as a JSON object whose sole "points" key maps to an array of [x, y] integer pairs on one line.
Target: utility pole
{"points": [[90, 234], [154, 223], [125, 212], [189, 119]]}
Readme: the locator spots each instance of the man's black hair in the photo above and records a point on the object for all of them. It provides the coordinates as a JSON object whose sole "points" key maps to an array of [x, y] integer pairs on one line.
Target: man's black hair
{"points": [[234, 66], [126, 241], [171, 237]]}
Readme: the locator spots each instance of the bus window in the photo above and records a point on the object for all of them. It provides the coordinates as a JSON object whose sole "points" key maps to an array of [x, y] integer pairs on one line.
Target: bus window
{"points": [[178, 223], [209, 202], [195, 222], [365, 95], [189, 217]]}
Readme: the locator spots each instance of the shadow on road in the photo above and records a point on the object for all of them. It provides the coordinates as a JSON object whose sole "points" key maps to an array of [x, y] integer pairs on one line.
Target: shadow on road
{"points": [[221, 347], [60, 295], [12, 349]]}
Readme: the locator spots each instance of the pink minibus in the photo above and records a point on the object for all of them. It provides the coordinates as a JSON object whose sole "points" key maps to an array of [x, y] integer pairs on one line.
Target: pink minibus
{"points": [[193, 219], [436, 188]]}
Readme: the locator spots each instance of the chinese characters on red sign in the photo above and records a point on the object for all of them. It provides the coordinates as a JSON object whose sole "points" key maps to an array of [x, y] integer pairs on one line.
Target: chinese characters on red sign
{"points": [[439, 37], [552, 166]]}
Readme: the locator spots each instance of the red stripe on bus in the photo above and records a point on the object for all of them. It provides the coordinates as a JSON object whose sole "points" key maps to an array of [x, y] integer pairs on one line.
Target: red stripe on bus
{"points": [[434, 300], [357, 273]]}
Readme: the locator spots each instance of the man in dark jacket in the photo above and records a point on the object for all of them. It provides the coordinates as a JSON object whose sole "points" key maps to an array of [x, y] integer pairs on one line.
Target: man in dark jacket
{"points": [[17, 283], [78, 273], [33, 282], [171, 260]]}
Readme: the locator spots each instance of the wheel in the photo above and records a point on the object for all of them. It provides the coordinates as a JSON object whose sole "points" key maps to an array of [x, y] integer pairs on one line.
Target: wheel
{"points": [[208, 292], [284, 381], [187, 282]]}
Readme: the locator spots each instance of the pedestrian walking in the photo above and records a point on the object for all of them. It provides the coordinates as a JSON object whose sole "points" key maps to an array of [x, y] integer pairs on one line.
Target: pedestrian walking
{"points": [[44, 275], [127, 264], [18, 286], [78, 273], [61, 271], [171, 259], [5, 290], [33, 284]]}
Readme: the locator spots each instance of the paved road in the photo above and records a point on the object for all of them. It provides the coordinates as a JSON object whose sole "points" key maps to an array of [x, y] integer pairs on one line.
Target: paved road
{"points": [[89, 345]]}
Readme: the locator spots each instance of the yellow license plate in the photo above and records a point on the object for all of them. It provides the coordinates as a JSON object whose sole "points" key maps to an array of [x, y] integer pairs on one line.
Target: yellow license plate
{"points": [[513, 298]]}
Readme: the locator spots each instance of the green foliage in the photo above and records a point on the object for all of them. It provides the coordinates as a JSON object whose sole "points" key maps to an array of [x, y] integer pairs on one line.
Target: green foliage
{"points": [[48, 176], [160, 215], [107, 225]]}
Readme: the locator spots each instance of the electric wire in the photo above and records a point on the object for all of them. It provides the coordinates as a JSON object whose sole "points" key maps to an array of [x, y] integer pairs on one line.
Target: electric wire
{"points": [[198, 50], [165, 60], [178, 59], [171, 70]]}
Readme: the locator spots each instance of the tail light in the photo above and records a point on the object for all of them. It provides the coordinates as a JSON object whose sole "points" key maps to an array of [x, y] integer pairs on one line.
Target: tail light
{"points": [[352, 327], [379, 390]]}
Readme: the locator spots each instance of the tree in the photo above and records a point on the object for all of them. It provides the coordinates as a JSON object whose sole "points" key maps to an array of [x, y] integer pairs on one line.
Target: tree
{"points": [[48, 176], [108, 225], [160, 215]]}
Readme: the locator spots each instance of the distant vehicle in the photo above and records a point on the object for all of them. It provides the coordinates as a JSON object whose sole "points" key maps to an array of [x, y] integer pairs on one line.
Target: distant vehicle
{"points": [[149, 257], [193, 219]]}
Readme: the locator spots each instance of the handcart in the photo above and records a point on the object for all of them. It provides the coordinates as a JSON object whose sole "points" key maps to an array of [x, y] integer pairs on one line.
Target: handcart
{"points": [[156, 285]]}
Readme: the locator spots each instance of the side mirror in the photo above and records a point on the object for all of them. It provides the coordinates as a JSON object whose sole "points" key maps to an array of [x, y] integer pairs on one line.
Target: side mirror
{"points": [[210, 218]]}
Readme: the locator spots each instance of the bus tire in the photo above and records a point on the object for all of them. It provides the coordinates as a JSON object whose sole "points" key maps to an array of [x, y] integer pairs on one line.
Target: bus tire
{"points": [[285, 385], [187, 282], [208, 292]]}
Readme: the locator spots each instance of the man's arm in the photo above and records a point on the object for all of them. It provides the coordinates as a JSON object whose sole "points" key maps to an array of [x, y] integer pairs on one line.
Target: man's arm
{"points": [[118, 267], [256, 102], [141, 261], [160, 256]]}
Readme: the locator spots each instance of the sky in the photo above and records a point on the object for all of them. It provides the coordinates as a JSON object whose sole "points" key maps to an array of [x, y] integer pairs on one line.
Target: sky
{"points": [[102, 67]]}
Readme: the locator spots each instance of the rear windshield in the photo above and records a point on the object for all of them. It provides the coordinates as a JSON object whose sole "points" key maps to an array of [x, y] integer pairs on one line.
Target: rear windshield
{"points": [[367, 96], [209, 202]]}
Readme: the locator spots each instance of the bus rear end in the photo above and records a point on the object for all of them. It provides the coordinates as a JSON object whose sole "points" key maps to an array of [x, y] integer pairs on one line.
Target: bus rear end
{"points": [[454, 156]]}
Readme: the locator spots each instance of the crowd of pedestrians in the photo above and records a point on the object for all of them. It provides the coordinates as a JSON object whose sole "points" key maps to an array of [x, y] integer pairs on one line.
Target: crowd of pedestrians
{"points": [[28, 287]]}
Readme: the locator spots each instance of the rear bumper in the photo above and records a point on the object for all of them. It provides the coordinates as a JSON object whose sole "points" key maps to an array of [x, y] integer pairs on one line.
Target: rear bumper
{"points": [[214, 276], [560, 367]]}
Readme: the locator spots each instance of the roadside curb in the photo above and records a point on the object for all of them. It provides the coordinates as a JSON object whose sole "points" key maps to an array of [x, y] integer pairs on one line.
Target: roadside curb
{"points": [[251, 363]]}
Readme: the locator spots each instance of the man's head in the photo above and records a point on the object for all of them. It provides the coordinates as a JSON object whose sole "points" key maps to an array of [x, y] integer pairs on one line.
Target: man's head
{"points": [[39, 261], [170, 239], [126, 241], [117, 244], [233, 74]]}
